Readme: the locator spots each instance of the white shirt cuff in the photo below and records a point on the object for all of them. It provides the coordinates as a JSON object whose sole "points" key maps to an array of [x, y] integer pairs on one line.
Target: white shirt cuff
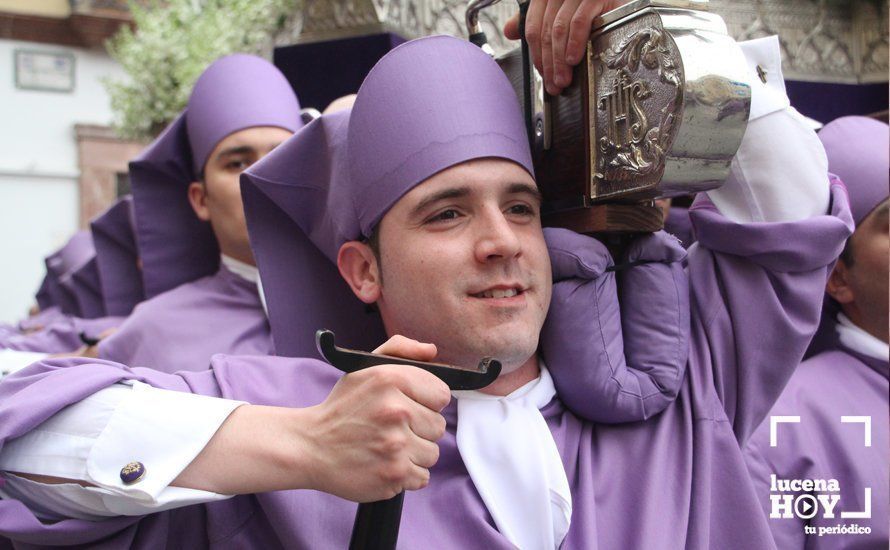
{"points": [[94, 439], [780, 172]]}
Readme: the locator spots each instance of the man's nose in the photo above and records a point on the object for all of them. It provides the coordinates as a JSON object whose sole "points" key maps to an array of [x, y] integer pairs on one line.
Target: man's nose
{"points": [[497, 238]]}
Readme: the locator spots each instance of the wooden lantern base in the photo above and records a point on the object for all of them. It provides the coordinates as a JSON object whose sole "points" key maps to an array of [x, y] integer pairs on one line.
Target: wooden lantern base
{"points": [[608, 218]]}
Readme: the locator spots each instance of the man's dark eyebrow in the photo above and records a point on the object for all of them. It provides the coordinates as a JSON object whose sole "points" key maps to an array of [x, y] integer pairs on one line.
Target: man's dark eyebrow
{"points": [[239, 150], [525, 188], [453, 193]]}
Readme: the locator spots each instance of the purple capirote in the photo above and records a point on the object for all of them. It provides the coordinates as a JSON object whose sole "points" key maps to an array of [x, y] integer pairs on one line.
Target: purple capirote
{"points": [[234, 93], [77, 250], [117, 258], [84, 290], [858, 150]]}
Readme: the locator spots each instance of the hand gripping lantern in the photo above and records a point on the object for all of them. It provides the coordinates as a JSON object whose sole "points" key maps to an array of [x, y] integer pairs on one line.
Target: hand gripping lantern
{"points": [[657, 108]]}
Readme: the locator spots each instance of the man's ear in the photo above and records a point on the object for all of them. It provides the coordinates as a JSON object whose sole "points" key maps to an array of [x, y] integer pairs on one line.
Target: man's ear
{"points": [[198, 200], [358, 267], [838, 285]]}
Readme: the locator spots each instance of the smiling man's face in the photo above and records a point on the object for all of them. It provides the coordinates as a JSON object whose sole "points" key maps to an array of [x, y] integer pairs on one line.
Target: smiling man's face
{"points": [[465, 266]]}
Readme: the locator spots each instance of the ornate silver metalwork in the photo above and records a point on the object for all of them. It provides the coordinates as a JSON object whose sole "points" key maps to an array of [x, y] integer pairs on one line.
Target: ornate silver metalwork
{"points": [[822, 40], [630, 146], [669, 100]]}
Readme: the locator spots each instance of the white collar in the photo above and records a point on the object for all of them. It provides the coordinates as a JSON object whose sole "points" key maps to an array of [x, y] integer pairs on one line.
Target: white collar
{"points": [[513, 461], [860, 341], [245, 271]]}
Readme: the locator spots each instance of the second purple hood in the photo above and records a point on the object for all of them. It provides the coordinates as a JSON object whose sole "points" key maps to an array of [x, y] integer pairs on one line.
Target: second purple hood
{"points": [[117, 258], [234, 93]]}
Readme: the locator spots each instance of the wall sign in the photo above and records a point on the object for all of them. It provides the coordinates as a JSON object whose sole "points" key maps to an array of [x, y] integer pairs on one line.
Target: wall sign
{"points": [[44, 71]]}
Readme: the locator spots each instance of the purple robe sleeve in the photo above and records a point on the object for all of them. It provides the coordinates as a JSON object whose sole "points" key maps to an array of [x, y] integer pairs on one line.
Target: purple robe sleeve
{"points": [[616, 345], [33, 395], [36, 393], [756, 301]]}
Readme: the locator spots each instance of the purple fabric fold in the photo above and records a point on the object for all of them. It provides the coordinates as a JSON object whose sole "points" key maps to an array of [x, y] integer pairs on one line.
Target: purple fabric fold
{"points": [[616, 345], [62, 335], [679, 225], [787, 280], [76, 251], [303, 288], [44, 297], [183, 328], [85, 290], [117, 258]]}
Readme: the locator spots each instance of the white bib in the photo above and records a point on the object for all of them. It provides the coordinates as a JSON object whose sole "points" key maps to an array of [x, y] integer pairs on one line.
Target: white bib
{"points": [[512, 459]]}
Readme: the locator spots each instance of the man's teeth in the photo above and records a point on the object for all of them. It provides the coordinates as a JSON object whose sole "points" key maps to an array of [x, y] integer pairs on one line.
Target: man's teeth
{"points": [[499, 293]]}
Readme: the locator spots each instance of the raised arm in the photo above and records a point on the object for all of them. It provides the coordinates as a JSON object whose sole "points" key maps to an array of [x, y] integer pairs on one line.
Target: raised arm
{"points": [[766, 242]]}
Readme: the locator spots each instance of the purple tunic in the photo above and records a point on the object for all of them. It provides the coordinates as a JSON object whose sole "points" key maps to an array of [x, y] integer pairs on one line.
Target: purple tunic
{"points": [[183, 328], [824, 388], [675, 481]]}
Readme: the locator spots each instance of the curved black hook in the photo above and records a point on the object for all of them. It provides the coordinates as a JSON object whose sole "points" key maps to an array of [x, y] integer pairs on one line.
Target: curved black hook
{"points": [[457, 378]]}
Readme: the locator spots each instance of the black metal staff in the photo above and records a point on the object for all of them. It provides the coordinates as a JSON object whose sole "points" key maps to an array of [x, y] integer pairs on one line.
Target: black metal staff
{"points": [[377, 523]]}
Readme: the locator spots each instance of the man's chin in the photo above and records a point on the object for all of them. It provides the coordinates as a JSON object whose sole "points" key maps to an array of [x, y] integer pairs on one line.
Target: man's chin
{"points": [[511, 351]]}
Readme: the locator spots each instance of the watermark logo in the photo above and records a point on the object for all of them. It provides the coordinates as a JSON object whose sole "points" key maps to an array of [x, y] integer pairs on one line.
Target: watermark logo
{"points": [[815, 498]]}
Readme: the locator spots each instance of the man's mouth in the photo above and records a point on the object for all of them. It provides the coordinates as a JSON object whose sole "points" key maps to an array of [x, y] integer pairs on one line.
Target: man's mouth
{"points": [[499, 292]]}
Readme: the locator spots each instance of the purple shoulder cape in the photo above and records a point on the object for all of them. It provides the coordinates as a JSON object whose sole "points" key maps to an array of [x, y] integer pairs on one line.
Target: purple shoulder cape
{"points": [[183, 328]]}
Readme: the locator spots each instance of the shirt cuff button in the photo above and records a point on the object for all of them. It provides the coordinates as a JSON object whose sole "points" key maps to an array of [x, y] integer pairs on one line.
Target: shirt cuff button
{"points": [[132, 472]]}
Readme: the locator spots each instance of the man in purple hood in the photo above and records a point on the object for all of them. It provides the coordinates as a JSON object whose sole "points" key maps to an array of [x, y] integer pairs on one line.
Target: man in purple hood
{"points": [[424, 199], [831, 422], [197, 267]]}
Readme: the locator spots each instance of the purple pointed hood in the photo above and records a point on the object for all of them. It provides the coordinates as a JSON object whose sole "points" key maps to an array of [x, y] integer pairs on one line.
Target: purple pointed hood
{"points": [[77, 251], [234, 93], [427, 105], [858, 150], [44, 297], [117, 258], [84, 291]]}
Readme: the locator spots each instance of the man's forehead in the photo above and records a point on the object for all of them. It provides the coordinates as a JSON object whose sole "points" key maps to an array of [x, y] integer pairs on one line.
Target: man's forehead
{"points": [[256, 138], [474, 177]]}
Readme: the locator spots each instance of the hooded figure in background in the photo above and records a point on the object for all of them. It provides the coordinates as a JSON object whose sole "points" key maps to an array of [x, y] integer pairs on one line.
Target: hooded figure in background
{"points": [[424, 197], [848, 379], [50, 296], [198, 270], [72, 282]]}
